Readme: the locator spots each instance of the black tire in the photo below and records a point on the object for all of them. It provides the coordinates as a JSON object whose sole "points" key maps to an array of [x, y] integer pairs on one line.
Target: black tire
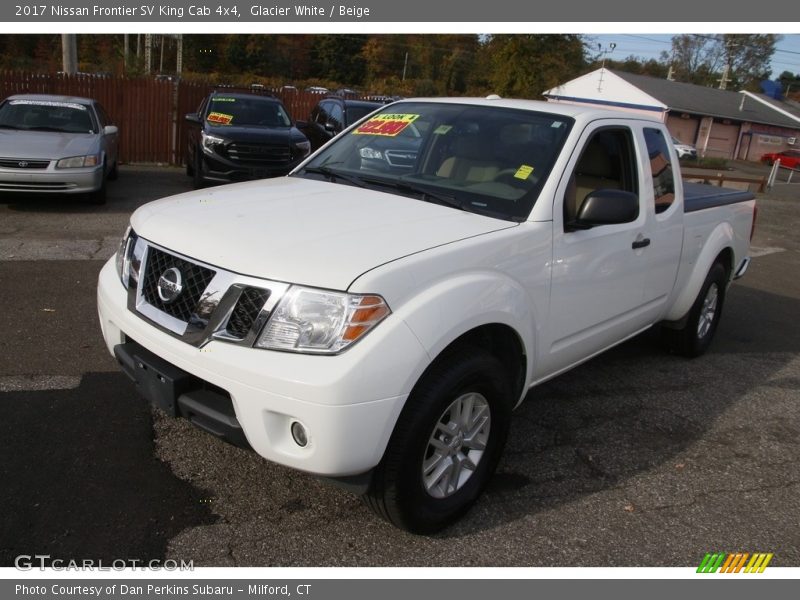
{"points": [[113, 174], [98, 197], [189, 166], [197, 174], [397, 491], [693, 339]]}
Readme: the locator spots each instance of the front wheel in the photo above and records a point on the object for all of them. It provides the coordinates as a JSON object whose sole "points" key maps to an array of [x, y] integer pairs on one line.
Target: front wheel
{"points": [[696, 335], [446, 444]]}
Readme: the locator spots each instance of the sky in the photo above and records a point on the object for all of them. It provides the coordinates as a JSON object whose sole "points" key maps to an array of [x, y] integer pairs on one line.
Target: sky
{"points": [[786, 57]]}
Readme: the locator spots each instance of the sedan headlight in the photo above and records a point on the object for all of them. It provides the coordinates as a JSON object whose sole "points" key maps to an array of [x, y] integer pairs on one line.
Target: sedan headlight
{"points": [[210, 142], [76, 162], [370, 153], [321, 321], [127, 261]]}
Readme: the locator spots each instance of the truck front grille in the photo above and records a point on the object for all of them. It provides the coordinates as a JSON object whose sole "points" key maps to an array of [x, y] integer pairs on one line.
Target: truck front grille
{"points": [[260, 154], [194, 280], [246, 311]]}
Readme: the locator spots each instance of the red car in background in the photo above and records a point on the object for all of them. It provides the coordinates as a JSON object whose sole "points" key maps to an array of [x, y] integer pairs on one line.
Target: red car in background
{"points": [[789, 158]]}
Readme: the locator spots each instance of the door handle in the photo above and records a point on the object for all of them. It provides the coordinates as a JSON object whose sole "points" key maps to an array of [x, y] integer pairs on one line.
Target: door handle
{"points": [[642, 243]]}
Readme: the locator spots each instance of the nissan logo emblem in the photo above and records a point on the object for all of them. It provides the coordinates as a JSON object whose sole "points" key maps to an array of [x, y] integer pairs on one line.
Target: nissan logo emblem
{"points": [[170, 285]]}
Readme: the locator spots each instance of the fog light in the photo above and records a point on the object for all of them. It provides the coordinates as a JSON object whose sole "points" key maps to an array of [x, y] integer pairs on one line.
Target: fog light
{"points": [[299, 434]]}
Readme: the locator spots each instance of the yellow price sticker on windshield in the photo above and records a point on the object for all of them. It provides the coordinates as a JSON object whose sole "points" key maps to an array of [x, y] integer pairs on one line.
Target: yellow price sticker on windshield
{"points": [[388, 125], [219, 118], [523, 172]]}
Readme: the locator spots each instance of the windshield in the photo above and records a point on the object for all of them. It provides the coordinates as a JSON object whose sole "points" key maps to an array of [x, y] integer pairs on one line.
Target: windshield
{"points": [[482, 159], [354, 113], [247, 112], [39, 115]]}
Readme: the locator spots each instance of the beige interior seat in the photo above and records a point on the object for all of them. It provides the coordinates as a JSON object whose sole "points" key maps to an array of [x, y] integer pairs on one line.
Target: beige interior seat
{"points": [[468, 162], [594, 171]]}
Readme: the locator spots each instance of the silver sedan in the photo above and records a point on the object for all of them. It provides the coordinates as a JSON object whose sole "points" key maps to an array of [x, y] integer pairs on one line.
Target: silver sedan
{"points": [[56, 144]]}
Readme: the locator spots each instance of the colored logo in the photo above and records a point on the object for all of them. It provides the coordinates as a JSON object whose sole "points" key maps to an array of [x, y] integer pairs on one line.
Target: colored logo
{"points": [[738, 562]]}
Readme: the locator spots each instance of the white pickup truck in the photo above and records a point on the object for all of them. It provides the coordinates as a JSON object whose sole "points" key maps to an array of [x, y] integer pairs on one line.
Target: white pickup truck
{"points": [[375, 316]]}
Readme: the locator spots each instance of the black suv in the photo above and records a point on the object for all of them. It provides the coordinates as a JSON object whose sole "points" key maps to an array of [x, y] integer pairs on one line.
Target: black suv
{"points": [[332, 115], [237, 136]]}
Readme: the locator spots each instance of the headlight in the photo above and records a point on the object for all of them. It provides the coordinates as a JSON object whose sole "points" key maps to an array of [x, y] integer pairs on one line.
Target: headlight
{"points": [[370, 153], [304, 147], [127, 260], [321, 321], [210, 142], [76, 162]]}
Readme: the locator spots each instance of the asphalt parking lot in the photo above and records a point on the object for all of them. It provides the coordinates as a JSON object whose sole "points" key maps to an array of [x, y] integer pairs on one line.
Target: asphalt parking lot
{"points": [[637, 458]]}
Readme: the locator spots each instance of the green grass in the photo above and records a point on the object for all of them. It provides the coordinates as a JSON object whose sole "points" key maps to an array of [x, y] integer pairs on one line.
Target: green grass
{"points": [[708, 162]]}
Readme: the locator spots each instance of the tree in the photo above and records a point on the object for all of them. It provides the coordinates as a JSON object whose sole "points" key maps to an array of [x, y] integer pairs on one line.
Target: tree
{"points": [[524, 66], [702, 59]]}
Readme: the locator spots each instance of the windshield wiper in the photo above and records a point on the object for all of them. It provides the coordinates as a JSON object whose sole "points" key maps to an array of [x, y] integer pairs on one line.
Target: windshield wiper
{"points": [[429, 196], [334, 175], [55, 129]]}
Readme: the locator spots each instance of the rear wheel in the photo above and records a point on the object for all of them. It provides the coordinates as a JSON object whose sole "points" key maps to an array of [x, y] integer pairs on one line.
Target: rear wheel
{"points": [[113, 174], [446, 444], [696, 335]]}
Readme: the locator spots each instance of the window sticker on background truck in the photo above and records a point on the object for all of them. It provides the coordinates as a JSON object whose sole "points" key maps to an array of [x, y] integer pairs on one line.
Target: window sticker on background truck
{"points": [[387, 125], [219, 118]]}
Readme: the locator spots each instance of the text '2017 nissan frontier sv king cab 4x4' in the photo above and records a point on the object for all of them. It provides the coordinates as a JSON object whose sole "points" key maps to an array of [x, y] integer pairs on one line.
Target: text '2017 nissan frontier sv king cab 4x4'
{"points": [[377, 326]]}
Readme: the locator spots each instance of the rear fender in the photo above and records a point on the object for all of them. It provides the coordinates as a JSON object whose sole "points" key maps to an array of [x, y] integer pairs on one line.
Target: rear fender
{"points": [[721, 237]]}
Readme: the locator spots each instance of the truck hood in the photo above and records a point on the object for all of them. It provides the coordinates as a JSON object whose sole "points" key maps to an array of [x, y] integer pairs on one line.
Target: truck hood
{"points": [[45, 145], [302, 231]]}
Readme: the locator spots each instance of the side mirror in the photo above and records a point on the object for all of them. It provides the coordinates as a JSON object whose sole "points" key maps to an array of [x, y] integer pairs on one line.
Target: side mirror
{"points": [[110, 130], [193, 118], [330, 127], [301, 124], [606, 207]]}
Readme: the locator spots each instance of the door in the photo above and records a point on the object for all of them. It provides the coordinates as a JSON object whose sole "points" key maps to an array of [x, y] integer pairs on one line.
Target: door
{"points": [[598, 274]]}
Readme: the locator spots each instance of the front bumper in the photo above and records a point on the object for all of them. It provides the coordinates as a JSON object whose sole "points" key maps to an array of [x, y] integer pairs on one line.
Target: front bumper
{"points": [[348, 403], [52, 180]]}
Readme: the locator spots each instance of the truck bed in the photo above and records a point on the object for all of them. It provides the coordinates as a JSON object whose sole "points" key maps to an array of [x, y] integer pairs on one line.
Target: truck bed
{"points": [[700, 196]]}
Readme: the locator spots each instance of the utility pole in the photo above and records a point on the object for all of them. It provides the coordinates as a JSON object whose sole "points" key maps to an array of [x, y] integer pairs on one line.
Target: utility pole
{"points": [[126, 49], [723, 82], [405, 66], [671, 72], [148, 48], [69, 53], [179, 57]]}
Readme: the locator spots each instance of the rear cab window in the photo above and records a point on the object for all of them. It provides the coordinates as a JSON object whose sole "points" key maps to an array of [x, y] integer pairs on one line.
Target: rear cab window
{"points": [[662, 174]]}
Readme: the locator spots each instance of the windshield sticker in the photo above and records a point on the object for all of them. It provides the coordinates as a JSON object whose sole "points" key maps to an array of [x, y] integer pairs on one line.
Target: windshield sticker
{"points": [[219, 118], [523, 172], [49, 103], [223, 99], [388, 125], [442, 129]]}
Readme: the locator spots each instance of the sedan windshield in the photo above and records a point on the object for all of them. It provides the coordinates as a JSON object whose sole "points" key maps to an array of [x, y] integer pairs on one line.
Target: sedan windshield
{"points": [[247, 112], [38, 115], [477, 158]]}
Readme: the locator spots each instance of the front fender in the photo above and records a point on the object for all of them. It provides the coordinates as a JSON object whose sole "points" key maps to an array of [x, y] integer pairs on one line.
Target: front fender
{"points": [[694, 275], [442, 313]]}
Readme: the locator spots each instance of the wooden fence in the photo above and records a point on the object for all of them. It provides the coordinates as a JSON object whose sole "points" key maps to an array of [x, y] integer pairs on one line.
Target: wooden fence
{"points": [[149, 112]]}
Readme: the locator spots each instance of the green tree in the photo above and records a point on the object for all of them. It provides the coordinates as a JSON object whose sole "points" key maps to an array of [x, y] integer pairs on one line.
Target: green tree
{"points": [[524, 66]]}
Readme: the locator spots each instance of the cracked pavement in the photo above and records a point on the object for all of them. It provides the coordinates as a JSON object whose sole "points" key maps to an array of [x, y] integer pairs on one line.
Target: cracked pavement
{"points": [[637, 458]]}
